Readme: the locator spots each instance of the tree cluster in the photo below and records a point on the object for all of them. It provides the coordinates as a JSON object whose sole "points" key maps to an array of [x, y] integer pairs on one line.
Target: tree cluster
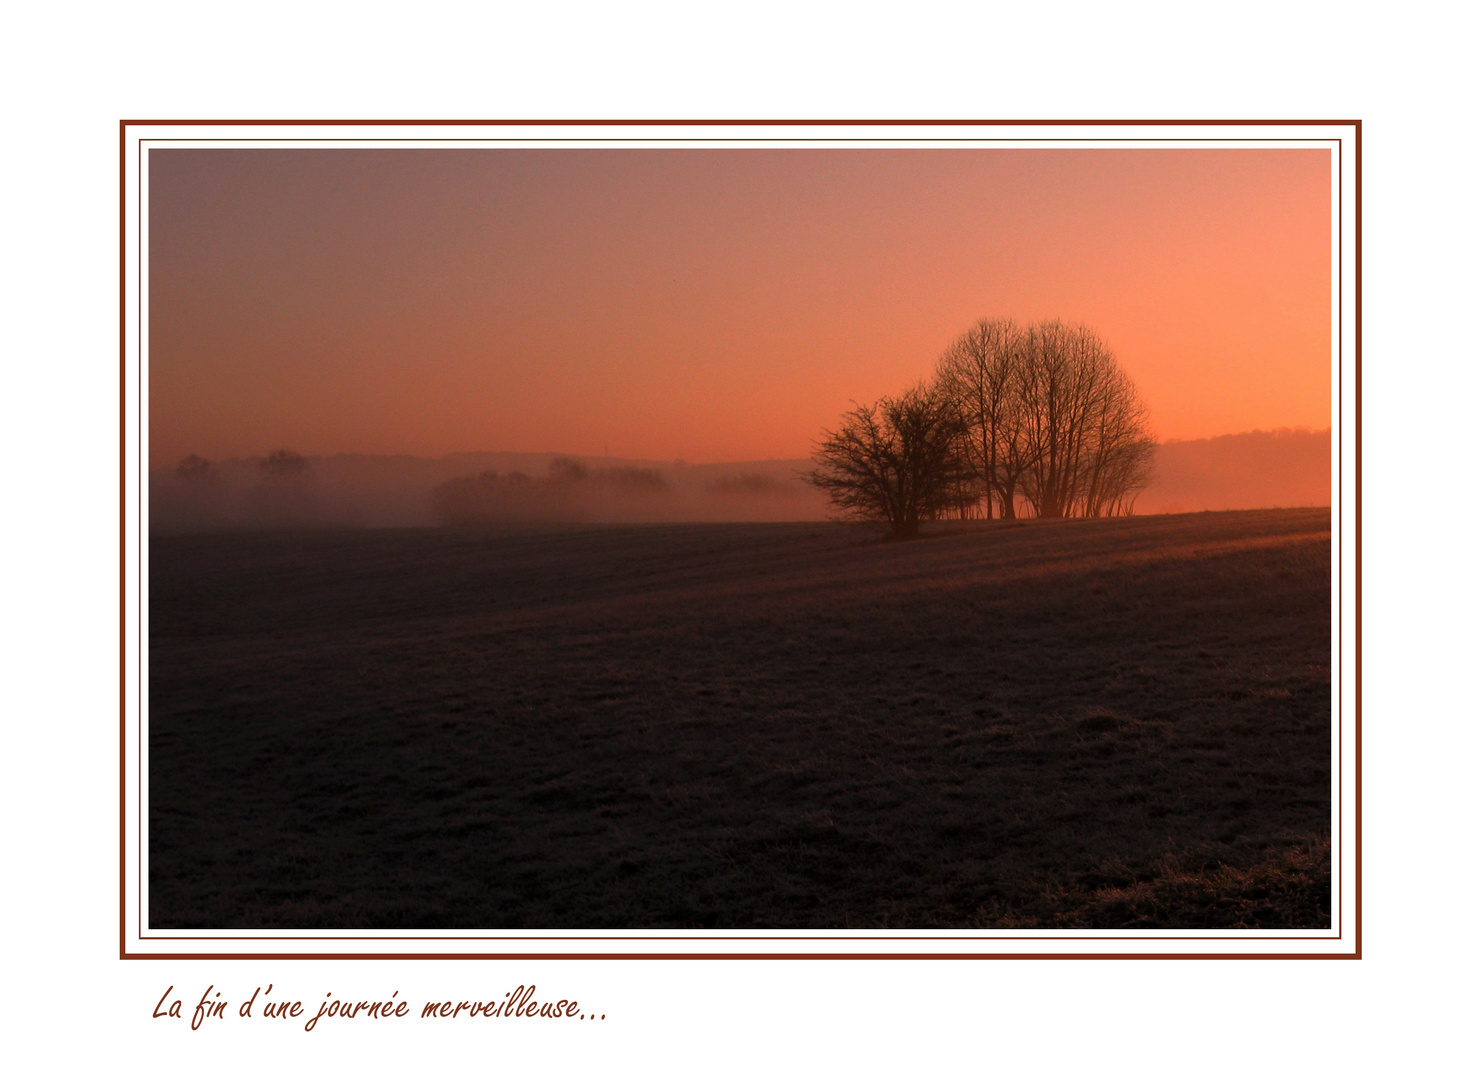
{"points": [[1035, 420]]}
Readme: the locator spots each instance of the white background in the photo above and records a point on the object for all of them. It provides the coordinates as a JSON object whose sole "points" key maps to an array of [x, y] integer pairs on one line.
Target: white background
{"points": [[70, 74]]}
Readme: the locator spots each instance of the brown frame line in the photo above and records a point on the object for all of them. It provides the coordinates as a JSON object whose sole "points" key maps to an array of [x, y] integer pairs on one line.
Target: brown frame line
{"points": [[1335, 936], [124, 954], [739, 956], [739, 123], [778, 139]]}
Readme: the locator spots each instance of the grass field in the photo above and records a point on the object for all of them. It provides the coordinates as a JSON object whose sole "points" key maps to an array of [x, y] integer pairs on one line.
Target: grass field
{"points": [[1042, 724]]}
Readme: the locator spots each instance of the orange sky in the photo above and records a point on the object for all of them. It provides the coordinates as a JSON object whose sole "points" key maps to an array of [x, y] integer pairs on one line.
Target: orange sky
{"points": [[712, 305]]}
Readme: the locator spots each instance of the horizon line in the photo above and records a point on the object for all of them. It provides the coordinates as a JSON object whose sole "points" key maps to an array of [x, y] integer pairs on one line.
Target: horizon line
{"points": [[678, 460]]}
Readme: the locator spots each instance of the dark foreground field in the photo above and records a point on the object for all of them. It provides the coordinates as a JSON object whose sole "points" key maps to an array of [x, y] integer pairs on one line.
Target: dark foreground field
{"points": [[1058, 724]]}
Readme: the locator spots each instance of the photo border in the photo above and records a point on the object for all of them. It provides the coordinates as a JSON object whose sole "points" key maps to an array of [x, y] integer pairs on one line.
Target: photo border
{"points": [[1349, 937]]}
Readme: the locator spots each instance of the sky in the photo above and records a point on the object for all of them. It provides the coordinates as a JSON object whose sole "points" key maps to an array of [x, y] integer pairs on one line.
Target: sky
{"points": [[709, 305]]}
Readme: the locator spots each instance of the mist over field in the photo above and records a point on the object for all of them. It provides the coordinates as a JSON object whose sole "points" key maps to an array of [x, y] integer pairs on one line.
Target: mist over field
{"points": [[480, 488], [1253, 470]]}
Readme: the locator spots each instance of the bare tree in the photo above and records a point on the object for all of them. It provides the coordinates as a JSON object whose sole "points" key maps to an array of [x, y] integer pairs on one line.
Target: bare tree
{"points": [[979, 372], [897, 461], [1119, 463], [1088, 439], [1049, 417]]}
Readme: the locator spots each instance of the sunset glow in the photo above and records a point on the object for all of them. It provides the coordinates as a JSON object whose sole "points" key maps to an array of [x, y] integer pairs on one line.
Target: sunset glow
{"points": [[712, 305]]}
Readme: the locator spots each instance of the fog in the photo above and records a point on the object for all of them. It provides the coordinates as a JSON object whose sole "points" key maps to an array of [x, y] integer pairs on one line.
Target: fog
{"points": [[1253, 470], [354, 490]]}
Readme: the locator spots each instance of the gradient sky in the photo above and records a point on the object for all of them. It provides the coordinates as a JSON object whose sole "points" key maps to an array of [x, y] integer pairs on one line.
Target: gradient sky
{"points": [[714, 305]]}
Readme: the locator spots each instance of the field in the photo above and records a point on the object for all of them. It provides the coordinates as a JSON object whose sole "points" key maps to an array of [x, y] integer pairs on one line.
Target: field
{"points": [[1039, 724]]}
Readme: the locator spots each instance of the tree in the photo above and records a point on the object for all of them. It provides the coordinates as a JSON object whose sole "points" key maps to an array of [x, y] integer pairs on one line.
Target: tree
{"points": [[1089, 447], [284, 465], [897, 461], [1050, 418], [978, 372], [194, 469], [1119, 463]]}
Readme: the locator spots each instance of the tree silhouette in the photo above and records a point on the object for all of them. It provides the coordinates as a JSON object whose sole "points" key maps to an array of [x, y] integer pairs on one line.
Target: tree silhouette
{"points": [[194, 469], [980, 373], [898, 461], [1086, 425], [284, 465], [1050, 417]]}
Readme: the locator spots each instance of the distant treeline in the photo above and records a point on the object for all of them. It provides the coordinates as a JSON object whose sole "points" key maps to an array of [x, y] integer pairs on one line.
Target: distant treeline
{"points": [[570, 492], [285, 489]]}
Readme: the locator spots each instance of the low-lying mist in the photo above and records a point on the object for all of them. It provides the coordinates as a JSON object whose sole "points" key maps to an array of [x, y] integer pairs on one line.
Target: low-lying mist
{"points": [[1252, 470], [494, 489], [574, 491], [1255, 470]]}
